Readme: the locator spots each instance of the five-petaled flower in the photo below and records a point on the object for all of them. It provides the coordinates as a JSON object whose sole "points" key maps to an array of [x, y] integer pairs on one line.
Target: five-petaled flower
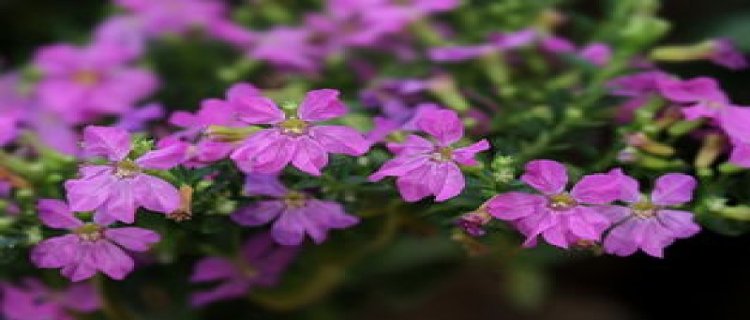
{"points": [[115, 190], [260, 263], [89, 247], [648, 223], [296, 213], [295, 138], [423, 167], [562, 218]]}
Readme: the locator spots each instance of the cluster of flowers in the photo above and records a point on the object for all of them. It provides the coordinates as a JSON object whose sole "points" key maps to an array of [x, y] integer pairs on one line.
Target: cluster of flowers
{"points": [[69, 87]]}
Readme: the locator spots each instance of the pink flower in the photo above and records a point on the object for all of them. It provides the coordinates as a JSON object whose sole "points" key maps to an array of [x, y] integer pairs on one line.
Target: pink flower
{"points": [[287, 47], [599, 54], [703, 98], [159, 17], [200, 149], [295, 138], [89, 247], [724, 53], [296, 213], [426, 168], [261, 263], [83, 83], [562, 218], [648, 223], [32, 300], [117, 189]]}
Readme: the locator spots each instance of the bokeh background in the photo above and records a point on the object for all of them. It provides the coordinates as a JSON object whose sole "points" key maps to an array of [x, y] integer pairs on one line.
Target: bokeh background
{"points": [[704, 277]]}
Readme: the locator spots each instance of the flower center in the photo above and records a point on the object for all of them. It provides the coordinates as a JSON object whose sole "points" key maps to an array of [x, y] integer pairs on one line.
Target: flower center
{"points": [[561, 202], [90, 232], [86, 78], [713, 104], [295, 200], [644, 209], [443, 154], [294, 126], [126, 169]]}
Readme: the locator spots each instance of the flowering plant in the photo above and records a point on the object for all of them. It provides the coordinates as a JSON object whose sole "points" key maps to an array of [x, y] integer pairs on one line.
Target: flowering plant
{"points": [[192, 153]]}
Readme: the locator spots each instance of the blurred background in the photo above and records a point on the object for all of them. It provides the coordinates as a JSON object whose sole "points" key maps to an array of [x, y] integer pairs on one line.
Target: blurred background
{"points": [[705, 277]]}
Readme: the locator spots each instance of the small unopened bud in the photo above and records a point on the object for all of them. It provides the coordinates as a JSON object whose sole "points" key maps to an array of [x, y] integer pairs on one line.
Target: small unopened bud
{"points": [[713, 146], [473, 223], [643, 142], [185, 211], [229, 134]]}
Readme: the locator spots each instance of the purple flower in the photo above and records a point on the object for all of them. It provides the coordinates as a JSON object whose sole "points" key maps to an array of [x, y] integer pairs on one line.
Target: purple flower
{"points": [[562, 218], [136, 120], [159, 17], [19, 109], [32, 300], [702, 98], [295, 138], [199, 148], [89, 247], [287, 47], [117, 189], [724, 53], [83, 83], [598, 54], [425, 168], [639, 88], [296, 213], [122, 33], [648, 223], [261, 263]]}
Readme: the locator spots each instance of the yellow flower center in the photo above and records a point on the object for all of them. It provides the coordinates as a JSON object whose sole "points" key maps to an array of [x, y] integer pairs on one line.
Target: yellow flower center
{"points": [[561, 202], [86, 78], [644, 209], [90, 232], [126, 169], [294, 126], [443, 154], [295, 200]]}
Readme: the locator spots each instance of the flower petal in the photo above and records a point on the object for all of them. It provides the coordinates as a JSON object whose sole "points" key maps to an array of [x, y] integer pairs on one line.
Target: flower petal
{"points": [[258, 213], [91, 191], [340, 139], [111, 260], [56, 214], [514, 205], [600, 188], [110, 142], [673, 189], [289, 228], [443, 124], [680, 223], [309, 156], [321, 105], [213, 269], [132, 238], [55, 252], [546, 176], [164, 158], [121, 203], [446, 181], [155, 194], [465, 155], [257, 110]]}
